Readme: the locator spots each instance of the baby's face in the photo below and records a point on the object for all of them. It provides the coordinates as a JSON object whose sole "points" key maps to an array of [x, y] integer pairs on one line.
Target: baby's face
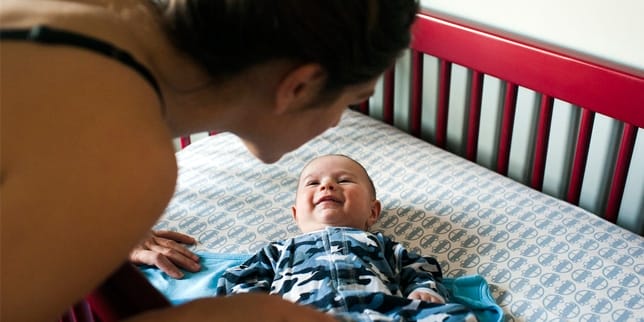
{"points": [[334, 191]]}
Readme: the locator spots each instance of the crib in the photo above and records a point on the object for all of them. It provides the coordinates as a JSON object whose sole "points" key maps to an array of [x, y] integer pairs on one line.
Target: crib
{"points": [[450, 193]]}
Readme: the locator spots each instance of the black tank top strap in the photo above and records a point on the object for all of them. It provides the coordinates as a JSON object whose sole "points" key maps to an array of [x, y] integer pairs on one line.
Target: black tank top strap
{"points": [[53, 36]]}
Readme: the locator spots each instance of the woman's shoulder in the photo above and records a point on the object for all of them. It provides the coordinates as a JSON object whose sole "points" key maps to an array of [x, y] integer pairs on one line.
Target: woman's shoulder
{"points": [[119, 28], [22, 13], [86, 107]]}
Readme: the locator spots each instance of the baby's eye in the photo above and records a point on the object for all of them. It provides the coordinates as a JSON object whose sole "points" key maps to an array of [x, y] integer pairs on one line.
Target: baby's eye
{"points": [[344, 180], [311, 183]]}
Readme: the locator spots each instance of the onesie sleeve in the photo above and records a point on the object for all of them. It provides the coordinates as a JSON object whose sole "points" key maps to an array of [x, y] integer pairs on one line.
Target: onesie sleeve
{"points": [[418, 272], [254, 275]]}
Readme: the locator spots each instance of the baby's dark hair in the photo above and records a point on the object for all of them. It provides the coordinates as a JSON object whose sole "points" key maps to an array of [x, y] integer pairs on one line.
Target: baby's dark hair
{"points": [[372, 186], [353, 40]]}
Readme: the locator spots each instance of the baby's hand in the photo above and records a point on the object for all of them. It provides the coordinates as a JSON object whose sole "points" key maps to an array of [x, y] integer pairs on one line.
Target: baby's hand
{"points": [[427, 296]]}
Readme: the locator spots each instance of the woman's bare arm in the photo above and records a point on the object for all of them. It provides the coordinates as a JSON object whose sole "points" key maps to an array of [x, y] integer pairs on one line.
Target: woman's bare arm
{"points": [[87, 168], [242, 307]]}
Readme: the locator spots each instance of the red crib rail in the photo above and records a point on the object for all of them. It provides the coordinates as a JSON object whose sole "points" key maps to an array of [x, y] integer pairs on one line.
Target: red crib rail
{"points": [[598, 89], [611, 92]]}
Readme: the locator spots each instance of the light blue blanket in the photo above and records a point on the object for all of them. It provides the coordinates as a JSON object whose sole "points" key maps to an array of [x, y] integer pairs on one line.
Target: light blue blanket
{"points": [[472, 290]]}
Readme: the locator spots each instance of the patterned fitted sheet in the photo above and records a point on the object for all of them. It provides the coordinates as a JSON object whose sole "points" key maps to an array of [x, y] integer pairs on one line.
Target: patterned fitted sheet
{"points": [[545, 260]]}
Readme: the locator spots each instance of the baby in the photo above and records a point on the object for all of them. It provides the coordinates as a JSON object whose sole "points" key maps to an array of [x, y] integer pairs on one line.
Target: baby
{"points": [[339, 267]]}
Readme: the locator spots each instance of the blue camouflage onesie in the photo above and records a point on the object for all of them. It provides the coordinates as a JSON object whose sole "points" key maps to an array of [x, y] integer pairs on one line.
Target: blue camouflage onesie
{"points": [[349, 273]]}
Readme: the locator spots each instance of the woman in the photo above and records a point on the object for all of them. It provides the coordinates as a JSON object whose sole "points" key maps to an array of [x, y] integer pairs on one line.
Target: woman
{"points": [[94, 91]]}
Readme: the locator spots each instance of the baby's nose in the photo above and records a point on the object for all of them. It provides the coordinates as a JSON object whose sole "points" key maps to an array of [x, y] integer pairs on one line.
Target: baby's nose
{"points": [[328, 185]]}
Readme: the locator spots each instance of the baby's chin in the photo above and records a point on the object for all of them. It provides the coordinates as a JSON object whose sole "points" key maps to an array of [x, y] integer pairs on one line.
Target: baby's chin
{"points": [[331, 217]]}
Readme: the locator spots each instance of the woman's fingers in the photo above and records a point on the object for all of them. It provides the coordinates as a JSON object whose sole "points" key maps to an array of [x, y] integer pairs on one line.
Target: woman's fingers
{"points": [[166, 250], [178, 256], [147, 257], [176, 236], [170, 246]]}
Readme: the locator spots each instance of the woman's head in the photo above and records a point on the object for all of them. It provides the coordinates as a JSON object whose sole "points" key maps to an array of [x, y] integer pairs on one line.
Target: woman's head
{"points": [[302, 62], [354, 41]]}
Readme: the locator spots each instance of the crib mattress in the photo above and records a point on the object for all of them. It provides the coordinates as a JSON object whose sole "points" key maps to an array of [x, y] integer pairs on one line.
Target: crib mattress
{"points": [[545, 260]]}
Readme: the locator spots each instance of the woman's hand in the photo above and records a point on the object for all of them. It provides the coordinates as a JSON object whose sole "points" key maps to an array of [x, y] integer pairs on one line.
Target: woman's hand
{"points": [[166, 250]]}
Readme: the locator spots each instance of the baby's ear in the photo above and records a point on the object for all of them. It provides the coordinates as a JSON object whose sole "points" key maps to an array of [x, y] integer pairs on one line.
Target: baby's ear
{"points": [[294, 211], [375, 212]]}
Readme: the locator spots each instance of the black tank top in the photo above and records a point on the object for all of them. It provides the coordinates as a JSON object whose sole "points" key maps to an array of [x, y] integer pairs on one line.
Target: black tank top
{"points": [[52, 36]]}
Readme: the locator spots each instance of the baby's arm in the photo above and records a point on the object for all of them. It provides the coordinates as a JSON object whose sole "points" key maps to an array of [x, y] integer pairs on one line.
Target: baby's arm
{"points": [[254, 275], [420, 277]]}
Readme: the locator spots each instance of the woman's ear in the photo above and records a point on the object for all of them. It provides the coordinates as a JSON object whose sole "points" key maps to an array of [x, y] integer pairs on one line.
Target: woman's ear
{"points": [[299, 88]]}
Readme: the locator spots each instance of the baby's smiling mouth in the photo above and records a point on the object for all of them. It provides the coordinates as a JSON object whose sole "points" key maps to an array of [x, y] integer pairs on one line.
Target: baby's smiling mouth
{"points": [[327, 199]]}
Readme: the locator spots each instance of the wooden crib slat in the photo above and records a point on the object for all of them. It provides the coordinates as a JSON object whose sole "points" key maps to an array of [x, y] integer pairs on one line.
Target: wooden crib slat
{"points": [[416, 93], [388, 96], [476, 96], [507, 125], [541, 145], [364, 107], [444, 80], [125, 293], [81, 312], [581, 156], [185, 141], [621, 170]]}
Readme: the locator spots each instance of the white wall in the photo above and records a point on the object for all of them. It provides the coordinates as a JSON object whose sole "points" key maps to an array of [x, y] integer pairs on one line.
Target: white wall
{"points": [[610, 30]]}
